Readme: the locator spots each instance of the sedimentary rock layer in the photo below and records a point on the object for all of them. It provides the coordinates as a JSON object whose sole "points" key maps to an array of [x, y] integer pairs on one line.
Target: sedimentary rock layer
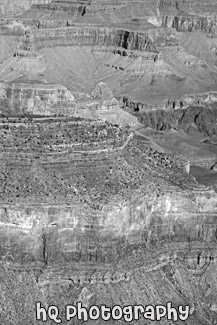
{"points": [[85, 204], [89, 36], [90, 211], [35, 99], [56, 157]]}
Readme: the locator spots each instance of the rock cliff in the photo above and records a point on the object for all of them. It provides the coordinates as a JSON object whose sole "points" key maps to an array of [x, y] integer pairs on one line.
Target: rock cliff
{"points": [[108, 157], [76, 192], [90, 36], [101, 104], [35, 99]]}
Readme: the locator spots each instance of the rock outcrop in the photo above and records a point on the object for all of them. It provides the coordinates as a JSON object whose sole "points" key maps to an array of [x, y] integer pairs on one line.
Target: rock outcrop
{"points": [[199, 121], [89, 36], [78, 196], [95, 206], [23, 98], [35, 99], [8, 7], [101, 104]]}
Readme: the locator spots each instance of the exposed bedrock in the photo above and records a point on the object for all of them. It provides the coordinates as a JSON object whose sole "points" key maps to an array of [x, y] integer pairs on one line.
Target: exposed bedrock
{"points": [[77, 35], [8, 7], [90, 168], [35, 98], [86, 208], [97, 171], [196, 143], [74, 8], [188, 16], [9, 46], [31, 98], [193, 120], [203, 100], [61, 235], [17, 7], [172, 280], [101, 104], [22, 290], [63, 13], [120, 10], [89, 36], [89, 213], [182, 15], [189, 23]]}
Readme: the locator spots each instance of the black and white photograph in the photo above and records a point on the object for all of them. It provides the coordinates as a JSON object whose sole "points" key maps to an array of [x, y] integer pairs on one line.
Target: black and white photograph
{"points": [[108, 162]]}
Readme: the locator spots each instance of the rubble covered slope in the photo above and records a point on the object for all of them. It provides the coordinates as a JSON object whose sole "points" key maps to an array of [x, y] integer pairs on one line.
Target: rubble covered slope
{"points": [[108, 157]]}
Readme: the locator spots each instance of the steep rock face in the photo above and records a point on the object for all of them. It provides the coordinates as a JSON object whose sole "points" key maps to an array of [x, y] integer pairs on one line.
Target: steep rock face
{"points": [[48, 178], [182, 15], [187, 23], [188, 16], [193, 120], [198, 45], [174, 71], [17, 7], [101, 104], [60, 13], [23, 65], [36, 99], [196, 150], [9, 46], [197, 122], [12, 27], [191, 23], [85, 204], [30, 98], [90, 36], [88, 211], [203, 100], [8, 7], [62, 235]]}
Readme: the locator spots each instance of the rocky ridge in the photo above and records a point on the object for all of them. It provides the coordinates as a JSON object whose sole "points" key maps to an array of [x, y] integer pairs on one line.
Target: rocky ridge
{"points": [[91, 210], [81, 221]]}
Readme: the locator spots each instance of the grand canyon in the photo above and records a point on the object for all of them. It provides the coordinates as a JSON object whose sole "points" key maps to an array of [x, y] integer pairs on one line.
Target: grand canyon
{"points": [[108, 160]]}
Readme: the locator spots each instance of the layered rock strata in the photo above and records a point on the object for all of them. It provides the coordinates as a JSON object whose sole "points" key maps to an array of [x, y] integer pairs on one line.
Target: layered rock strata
{"points": [[30, 98], [35, 99], [84, 203], [199, 99], [173, 71], [91, 36], [196, 120], [101, 104], [89, 211]]}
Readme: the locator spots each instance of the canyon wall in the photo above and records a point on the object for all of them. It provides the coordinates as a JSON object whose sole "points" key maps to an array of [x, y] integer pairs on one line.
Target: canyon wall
{"points": [[93, 223], [35, 99], [63, 235], [92, 211], [188, 119], [20, 99], [101, 104], [91, 36], [76, 216]]}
